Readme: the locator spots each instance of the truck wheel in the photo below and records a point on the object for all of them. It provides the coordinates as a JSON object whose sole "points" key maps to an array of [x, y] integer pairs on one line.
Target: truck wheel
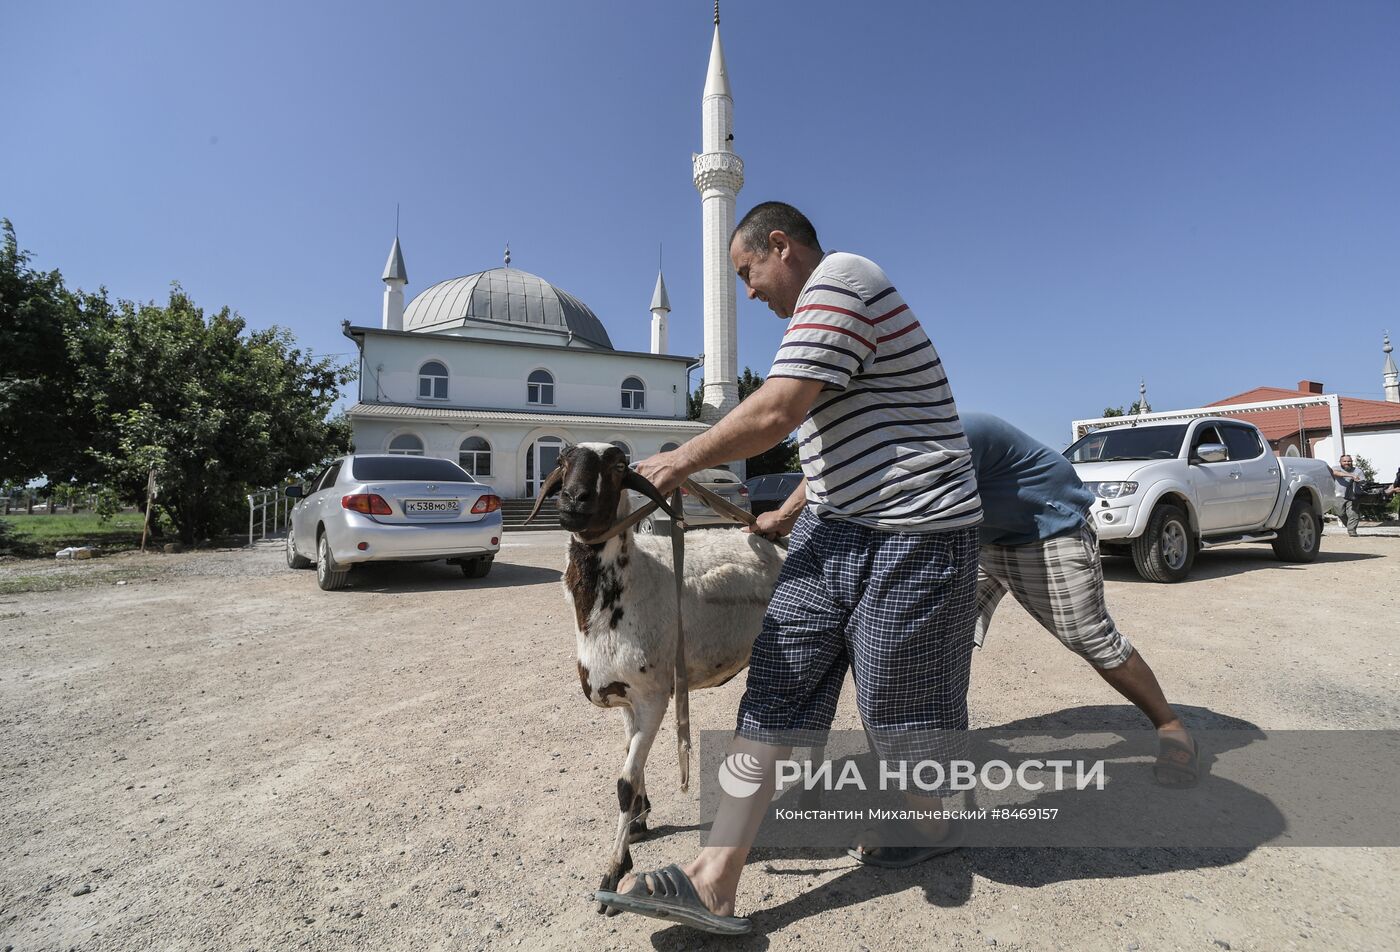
{"points": [[328, 575], [1164, 552], [1301, 536]]}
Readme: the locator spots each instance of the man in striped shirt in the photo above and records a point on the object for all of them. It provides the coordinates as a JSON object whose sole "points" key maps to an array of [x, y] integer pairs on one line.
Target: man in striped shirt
{"points": [[881, 571]]}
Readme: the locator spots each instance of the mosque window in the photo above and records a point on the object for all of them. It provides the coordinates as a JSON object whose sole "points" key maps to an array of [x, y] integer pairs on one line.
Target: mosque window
{"points": [[540, 388], [432, 381], [475, 456], [634, 394], [406, 444], [626, 450]]}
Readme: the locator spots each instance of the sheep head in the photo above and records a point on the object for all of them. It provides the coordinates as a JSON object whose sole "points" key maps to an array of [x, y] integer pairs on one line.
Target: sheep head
{"points": [[590, 479]]}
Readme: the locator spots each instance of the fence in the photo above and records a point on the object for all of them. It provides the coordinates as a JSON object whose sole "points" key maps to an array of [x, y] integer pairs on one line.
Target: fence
{"points": [[260, 504]]}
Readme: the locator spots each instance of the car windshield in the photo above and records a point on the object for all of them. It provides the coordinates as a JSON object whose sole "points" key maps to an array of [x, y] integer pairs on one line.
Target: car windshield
{"points": [[374, 469], [1154, 442]]}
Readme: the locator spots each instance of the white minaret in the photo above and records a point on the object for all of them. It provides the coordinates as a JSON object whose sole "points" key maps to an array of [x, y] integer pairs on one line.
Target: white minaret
{"points": [[660, 307], [395, 277], [1392, 374], [718, 176]]}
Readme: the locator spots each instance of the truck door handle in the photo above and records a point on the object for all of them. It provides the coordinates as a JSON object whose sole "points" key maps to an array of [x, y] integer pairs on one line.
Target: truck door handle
{"points": [[1234, 475], [1273, 472]]}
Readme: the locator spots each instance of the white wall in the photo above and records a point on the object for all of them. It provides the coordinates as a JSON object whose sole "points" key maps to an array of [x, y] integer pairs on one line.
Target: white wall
{"points": [[509, 443], [494, 375], [1382, 449]]}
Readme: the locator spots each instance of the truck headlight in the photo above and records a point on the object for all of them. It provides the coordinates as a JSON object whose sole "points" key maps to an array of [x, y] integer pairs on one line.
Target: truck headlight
{"points": [[1112, 490]]}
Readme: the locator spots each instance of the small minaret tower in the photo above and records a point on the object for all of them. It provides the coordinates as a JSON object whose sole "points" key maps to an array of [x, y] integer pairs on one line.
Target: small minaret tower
{"points": [[718, 176], [1143, 406], [660, 307], [1392, 374], [395, 277]]}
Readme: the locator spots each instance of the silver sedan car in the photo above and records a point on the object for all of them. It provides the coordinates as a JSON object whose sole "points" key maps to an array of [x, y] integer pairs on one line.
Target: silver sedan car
{"points": [[392, 509]]}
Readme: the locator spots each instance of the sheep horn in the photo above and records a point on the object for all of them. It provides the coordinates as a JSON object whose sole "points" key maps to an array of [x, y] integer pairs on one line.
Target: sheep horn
{"points": [[547, 488], [632, 479]]}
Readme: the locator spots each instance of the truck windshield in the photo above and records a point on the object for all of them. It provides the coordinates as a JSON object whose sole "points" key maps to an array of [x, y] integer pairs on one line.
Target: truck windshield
{"points": [[1147, 442]]}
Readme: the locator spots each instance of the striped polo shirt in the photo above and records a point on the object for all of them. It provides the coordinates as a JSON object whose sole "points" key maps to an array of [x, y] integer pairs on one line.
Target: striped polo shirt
{"points": [[883, 446]]}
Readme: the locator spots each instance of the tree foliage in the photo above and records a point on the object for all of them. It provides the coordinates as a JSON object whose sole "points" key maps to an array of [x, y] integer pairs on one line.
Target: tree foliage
{"points": [[214, 408], [780, 459]]}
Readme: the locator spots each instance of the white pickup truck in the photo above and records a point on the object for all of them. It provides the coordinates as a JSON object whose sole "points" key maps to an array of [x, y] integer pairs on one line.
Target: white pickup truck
{"points": [[1167, 489]]}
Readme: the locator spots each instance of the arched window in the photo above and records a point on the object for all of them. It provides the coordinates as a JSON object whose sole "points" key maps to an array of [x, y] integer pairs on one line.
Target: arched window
{"points": [[540, 388], [432, 381], [626, 450], [406, 444], [475, 456], [668, 447], [634, 394]]}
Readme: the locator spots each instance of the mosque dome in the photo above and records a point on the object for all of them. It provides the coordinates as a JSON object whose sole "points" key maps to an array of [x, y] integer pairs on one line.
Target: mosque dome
{"points": [[504, 296]]}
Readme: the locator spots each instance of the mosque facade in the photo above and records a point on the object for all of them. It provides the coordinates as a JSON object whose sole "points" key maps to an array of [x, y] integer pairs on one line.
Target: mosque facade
{"points": [[499, 370]]}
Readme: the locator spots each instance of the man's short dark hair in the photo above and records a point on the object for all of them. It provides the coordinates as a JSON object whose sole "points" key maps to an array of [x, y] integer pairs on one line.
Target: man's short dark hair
{"points": [[768, 217]]}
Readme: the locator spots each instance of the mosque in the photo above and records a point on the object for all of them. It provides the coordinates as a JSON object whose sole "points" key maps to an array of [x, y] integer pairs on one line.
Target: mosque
{"points": [[500, 369]]}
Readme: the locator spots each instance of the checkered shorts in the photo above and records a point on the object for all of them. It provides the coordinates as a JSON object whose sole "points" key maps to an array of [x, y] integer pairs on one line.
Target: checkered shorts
{"points": [[899, 609], [1060, 582]]}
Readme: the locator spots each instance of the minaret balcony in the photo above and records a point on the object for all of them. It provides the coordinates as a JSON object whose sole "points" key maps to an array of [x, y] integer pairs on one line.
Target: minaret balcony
{"points": [[722, 170]]}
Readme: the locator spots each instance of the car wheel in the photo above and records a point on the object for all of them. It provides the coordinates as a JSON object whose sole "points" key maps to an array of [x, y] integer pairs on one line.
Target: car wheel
{"points": [[477, 568], [295, 561], [1301, 536], [328, 575], [1165, 552]]}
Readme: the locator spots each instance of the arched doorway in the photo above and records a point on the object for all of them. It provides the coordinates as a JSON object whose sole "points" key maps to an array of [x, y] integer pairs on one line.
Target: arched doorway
{"points": [[540, 459]]}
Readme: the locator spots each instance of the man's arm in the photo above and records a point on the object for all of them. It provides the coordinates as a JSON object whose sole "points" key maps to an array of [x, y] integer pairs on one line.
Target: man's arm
{"points": [[780, 521], [759, 423]]}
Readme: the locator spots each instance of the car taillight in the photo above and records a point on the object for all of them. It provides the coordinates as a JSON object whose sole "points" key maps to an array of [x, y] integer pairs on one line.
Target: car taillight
{"points": [[371, 504], [486, 504], [743, 491], [684, 491]]}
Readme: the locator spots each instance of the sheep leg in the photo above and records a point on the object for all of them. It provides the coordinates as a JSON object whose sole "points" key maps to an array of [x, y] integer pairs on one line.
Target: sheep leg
{"points": [[638, 828], [631, 798]]}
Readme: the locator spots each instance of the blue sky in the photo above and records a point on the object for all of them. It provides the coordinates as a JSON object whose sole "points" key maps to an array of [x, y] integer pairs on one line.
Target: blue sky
{"points": [[1071, 195]]}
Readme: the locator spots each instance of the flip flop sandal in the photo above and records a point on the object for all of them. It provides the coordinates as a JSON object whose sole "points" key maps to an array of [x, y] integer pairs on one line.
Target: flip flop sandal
{"points": [[674, 900], [1178, 766], [898, 857]]}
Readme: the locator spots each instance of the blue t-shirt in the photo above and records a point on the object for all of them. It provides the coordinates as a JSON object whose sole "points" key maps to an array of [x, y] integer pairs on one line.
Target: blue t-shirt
{"points": [[1029, 492]]}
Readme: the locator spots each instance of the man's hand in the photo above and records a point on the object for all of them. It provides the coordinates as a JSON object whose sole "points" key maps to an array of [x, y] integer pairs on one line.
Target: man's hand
{"points": [[772, 525], [665, 471]]}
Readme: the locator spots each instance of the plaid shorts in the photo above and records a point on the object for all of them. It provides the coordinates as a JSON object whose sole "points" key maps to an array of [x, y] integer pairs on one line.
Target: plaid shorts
{"points": [[898, 608], [1060, 582]]}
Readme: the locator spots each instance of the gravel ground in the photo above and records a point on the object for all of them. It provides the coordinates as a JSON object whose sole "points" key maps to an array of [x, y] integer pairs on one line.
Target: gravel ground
{"points": [[204, 751]]}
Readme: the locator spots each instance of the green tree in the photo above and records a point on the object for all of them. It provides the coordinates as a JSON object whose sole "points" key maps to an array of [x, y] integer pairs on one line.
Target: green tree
{"points": [[214, 409], [781, 458], [46, 421], [1137, 406]]}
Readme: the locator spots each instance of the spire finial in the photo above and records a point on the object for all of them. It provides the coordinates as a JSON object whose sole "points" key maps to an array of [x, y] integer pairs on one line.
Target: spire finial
{"points": [[507, 254], [1387, 348], [396, 219], [716, 12], [1142, 395]]}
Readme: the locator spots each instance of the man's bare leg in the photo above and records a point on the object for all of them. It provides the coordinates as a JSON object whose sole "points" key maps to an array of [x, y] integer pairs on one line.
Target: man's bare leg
{"points": [[1135, 681]]}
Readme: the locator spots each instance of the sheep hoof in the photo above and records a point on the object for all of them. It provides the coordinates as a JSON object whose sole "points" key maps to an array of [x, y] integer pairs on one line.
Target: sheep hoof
{"points": [[609, 884], [637, 830]]}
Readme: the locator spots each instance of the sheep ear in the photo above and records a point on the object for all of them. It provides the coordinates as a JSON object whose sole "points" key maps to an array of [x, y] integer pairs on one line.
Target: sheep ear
{"points": [[548, 488], [631, 479]]}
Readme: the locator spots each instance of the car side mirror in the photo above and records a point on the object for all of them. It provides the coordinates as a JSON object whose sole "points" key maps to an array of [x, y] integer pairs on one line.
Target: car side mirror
{"points": [[1212, 453], [295, 492]]}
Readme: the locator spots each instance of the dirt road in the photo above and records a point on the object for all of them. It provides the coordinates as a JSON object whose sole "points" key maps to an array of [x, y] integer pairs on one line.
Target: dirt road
{"points": [[216, 755]]}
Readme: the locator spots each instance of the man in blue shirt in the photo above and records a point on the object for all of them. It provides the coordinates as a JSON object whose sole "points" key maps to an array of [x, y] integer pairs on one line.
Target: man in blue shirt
{"points": [[1038, 544]]}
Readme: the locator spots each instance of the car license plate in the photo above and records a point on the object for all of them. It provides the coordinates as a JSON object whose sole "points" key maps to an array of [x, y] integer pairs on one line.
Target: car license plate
{"points": [[432, 505]]}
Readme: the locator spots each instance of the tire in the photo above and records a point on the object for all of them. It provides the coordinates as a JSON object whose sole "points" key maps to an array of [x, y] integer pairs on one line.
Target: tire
{"points": [[477, 568], [1301, 536], [1166, 551], [295, 561], [328, 575]]}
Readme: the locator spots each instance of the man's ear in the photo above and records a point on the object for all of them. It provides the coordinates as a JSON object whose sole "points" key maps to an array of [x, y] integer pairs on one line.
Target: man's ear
{"points": [[779, 244]]}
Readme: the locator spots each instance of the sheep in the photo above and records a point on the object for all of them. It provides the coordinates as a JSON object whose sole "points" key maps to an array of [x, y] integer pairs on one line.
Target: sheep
{"points": [[623, 595]]}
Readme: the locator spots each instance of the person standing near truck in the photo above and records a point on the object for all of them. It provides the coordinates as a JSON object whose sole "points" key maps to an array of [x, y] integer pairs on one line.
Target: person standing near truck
{"points": [[1348, 479]]}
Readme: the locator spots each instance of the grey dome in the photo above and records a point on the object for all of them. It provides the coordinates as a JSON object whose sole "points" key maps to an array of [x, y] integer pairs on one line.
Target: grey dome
{"points": [[504, 295]]}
